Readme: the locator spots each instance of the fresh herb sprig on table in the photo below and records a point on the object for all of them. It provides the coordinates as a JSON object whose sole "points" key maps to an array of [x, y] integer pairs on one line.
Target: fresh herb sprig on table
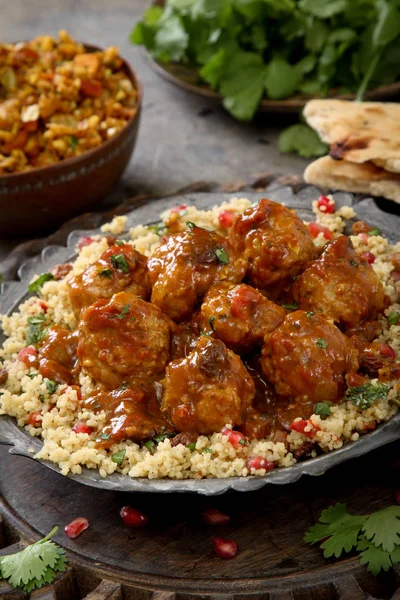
{"points": [[34, 566], [250, 49], [376, 537]]}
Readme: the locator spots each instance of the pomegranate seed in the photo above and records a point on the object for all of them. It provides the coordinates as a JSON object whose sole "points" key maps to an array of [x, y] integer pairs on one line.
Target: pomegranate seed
{"points": [[369, 257], [84, 241], [35, 419], [224, 548], [395, 275], [386, 351], [212, 516], [234, 437], [257, 462], [81, 427], [326, 205], [178, 209], [226, 218], [397, 495], [27, 355], [76, 527], [315, 229], [43, 306], [132, 517]]}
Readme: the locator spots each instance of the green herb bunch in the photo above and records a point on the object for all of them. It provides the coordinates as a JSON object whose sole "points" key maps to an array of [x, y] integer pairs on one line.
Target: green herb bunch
{"points": [[250, 49], [376, 537]]}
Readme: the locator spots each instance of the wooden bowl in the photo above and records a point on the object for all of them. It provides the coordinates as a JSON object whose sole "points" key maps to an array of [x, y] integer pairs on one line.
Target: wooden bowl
{"points": [[39, 200]]}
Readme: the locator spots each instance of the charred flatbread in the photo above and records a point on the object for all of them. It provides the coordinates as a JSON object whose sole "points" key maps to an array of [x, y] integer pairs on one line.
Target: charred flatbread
{"points": [[358, 132], [364, 178]]}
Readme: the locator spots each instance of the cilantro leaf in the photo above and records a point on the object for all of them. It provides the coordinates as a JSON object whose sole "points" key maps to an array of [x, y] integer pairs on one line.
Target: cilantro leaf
{"points": [[394, 318], [118, 457], [281, 79], [36, 286], [222, 256], [376, 559], [171, 39], [35, 565], [242, 94], [302, 140], [383, 528], [51, 386], [320, 343], [36, 331], [323, 409], [341, 529], [323, 8]]}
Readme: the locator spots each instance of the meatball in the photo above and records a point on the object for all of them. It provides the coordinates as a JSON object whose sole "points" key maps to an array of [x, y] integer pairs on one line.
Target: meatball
{"points": [[340, 285], [239, 315], [185, 267], [207, 390], [57, 355], [307, 358], [122, 339], [131, 413], [274, 241], [120, 268]]}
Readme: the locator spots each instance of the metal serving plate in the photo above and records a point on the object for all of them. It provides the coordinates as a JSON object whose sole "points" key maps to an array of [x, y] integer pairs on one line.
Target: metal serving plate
{"points": [[15, 293]]}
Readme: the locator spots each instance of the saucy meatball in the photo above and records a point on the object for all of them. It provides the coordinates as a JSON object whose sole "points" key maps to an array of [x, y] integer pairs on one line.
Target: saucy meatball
{"points": [[131, 413], [274, 241], [207, 390], [120, 268], [307, 358], [122, 339], [341, 285], [239, 315], [185, 267], [57, 355]]}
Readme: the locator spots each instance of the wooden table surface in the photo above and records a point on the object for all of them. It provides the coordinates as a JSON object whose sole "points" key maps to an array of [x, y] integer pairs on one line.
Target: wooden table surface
{"points": [[182, 138]]}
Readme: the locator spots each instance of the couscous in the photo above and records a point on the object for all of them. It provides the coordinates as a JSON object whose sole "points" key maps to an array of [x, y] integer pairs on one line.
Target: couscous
{"points": [[204, 416]]}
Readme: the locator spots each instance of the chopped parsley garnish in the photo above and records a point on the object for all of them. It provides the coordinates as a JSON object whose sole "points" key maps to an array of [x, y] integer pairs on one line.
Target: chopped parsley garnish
{"points": [[320, 343], [394, 318], [208, 450], [374, 232], [206, 334], [366, 394], [119, 262], [323, 409], [119, 243], [243, 442], [36, 331], [103, 436], [183, 213], [162, 437], [36, 286], [293, 306], [222, 256], [191, 225], [106, 273], [354, 263], [211, 321], [158, 228], [73, 141], [32, 375], [51, 386], [192, 446], [150, 445], [118, 457], [310, 314], [124, 312]]}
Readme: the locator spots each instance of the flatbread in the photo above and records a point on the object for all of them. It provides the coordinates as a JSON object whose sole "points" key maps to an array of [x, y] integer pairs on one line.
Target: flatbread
{"points": [[351, 177], [358, 132]]}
